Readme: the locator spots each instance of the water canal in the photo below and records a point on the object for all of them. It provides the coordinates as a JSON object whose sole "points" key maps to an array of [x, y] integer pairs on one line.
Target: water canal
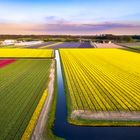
{"points": [[72, 132]]}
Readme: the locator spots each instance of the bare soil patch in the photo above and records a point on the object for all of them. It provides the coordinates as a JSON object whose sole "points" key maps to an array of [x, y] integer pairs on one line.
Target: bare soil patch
{"points": [[102, 115], [107, 45]]}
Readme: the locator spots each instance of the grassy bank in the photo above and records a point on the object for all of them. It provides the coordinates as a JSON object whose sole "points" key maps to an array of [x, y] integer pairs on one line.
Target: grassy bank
{"points": [[83, 122]]}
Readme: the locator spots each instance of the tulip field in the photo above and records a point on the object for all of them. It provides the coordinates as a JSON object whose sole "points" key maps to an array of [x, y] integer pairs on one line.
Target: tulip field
{"points": [[26, 53], [96, 80], [5, 62], [22, 84], [102, 79]]}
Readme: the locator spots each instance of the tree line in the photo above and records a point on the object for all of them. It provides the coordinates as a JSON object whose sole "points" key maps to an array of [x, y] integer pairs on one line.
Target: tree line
{"points": [[70, 38]]}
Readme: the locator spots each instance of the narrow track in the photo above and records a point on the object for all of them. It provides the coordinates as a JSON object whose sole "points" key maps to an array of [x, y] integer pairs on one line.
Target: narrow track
{"points": [[41, 123]]}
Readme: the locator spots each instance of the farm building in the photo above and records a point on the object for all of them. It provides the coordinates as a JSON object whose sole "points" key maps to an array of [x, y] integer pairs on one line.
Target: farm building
{"points": [[85, 40], [9, 42], [28, 43], [104, 41]]}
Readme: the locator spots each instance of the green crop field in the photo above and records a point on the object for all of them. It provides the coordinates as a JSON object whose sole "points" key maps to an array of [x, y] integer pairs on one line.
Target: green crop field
{"points": [[134, 45], [102, 79], [21, 86]]}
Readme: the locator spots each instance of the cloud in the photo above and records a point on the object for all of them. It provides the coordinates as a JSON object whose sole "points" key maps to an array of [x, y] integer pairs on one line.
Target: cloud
{"points": [[66, 27], [55, 20], [69, 28], [6, 28]]}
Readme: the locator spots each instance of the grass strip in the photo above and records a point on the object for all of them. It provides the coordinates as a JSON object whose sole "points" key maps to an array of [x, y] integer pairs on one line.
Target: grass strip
{"points": [[29, 129]]}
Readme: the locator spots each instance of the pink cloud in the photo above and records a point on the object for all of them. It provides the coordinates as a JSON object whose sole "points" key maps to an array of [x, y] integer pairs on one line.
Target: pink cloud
{"points": [[65, 27], [71, 28]]}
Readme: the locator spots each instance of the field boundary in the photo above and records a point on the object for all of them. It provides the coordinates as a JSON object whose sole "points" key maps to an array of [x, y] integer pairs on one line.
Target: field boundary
{"points": [[128, 48], [41, 123], [51, 45], [31, 124], [68, 98], [24, 58], [102, 115]]}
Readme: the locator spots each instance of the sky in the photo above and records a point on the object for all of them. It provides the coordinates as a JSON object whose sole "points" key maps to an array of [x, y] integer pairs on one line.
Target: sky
{"points": [[72, 17]]}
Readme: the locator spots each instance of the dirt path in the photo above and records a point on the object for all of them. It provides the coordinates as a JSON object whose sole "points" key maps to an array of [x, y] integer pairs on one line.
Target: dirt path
{"points": [[102, 115], [41, 123]]}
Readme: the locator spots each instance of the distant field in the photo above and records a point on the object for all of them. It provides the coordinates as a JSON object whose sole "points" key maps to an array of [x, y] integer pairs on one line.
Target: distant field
{"points": [[35, 46], [10, 46], [86, 45], [103, 80], [135, 45], [68, 45], [41, 45], [51, 45], [26, 53], [107, 45], [22, 84], [65, 45]]}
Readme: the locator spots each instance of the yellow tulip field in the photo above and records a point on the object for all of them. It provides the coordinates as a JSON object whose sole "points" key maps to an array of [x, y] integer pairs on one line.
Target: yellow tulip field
{"points": [[26, 53], [102, 79]]}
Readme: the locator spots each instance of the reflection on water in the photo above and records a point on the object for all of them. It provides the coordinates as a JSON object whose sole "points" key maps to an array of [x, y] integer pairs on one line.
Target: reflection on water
{"points": [[71, 132]]}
